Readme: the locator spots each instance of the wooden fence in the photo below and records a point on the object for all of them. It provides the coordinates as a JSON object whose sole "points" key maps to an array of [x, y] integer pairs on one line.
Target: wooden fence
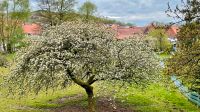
{"points": [[191, 95]]}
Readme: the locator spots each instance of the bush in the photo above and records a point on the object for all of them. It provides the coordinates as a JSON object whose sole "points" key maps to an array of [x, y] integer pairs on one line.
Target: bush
{"points": [[159, 41], [3, 61]]}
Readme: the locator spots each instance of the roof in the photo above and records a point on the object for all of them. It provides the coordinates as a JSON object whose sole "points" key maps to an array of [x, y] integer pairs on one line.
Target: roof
{"points": [[172, 31], [32, 29], [149, 28], [125, 32]]}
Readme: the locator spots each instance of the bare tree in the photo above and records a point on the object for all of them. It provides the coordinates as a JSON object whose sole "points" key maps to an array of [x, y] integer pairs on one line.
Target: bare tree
{"points": [[53, 11], [188, 11]]}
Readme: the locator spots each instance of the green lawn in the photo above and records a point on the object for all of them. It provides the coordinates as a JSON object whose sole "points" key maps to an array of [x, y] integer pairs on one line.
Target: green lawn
{"points": [[164, 56], [158, 98]]}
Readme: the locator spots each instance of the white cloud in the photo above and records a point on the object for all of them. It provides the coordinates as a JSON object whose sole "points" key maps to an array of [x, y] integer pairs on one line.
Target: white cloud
{"points": [[153, 16], [144, 18], [114, 17], [134, 11], [145, 3], [34, 5]]}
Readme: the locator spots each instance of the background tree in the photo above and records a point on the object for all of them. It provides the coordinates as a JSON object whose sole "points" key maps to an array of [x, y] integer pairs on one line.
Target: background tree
{"points": [[13, 14], [83, 54], [53, 12], [185, 63], [189, 34], [160, 39], [188, 11], [188, 14], [88, 9]]}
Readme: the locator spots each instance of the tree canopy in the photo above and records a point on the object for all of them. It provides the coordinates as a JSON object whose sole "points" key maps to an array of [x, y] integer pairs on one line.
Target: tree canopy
{"points": [[82, 53], [187, 12], [185, 63], [160, 39], [188, 15], [88, 9], [13, 14], [53, 12]]}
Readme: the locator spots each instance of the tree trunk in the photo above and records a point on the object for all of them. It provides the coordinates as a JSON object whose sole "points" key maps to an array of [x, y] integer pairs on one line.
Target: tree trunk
{"points": [[88, 88], [4, 45], [91, 99], [9, 47]]}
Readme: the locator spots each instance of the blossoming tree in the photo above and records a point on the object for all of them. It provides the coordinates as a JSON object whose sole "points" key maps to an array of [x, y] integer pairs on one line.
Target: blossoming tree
{"points": [[81, 53]]}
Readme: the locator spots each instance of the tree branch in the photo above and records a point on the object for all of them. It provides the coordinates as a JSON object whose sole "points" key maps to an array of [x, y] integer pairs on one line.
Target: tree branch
{"points": [[91, 80], [77, 81]]}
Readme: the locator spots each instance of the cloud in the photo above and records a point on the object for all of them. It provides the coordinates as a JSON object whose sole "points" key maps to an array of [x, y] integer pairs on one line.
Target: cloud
{"points": [[140, 12], [34, 5], [142, 16], [114, 17]]}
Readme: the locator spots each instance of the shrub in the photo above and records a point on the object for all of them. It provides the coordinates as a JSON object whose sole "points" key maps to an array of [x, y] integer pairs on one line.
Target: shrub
{"points": [[3, 61]]}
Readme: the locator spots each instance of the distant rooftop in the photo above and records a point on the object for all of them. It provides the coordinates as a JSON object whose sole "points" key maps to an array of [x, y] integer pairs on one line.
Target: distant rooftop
{"points": [[123, 32], [32, 29]]}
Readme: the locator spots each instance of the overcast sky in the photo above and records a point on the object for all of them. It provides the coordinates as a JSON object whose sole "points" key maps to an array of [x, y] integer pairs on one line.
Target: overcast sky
{"points": [[139, 12]]}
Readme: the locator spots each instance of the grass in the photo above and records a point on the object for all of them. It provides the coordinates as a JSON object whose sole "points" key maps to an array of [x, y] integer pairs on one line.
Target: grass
{"points": [[39, 103], [10, 57], [43, 100], [158, 98], [164, 56]]}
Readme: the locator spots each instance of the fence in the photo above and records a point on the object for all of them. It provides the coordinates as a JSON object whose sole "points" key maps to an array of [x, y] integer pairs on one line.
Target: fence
{"points": [[191, 95]]}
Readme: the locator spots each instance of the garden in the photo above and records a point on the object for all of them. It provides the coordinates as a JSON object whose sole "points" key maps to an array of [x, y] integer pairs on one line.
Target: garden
{"points": [[75, 61]]}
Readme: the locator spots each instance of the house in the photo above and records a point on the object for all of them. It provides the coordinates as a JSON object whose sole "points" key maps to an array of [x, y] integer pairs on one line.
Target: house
{"points": [[123, 32], [32, 29], [172, 31]]}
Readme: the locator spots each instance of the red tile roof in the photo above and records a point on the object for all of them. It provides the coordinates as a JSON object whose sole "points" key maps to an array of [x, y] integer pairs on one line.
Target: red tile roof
{"points": [[32, 29], [149, 28], [123, 33], [172, 31]]}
